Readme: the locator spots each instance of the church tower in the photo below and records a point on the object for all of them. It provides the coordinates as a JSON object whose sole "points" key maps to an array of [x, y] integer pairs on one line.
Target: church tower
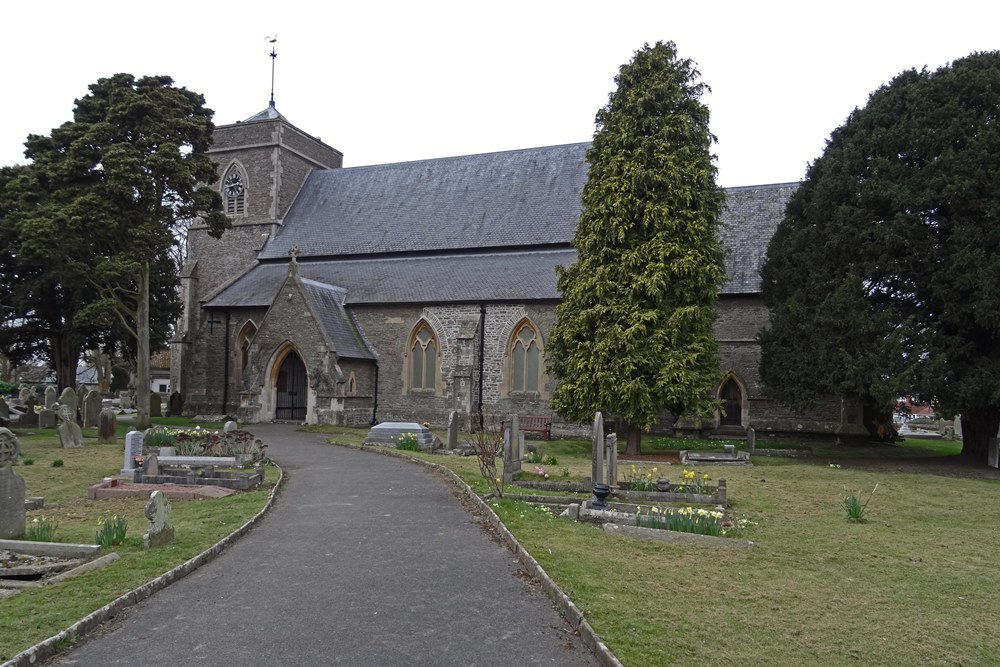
{"points": [[262, 163]]}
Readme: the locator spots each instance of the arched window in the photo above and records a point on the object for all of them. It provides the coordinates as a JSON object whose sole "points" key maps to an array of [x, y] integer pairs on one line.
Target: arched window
{"points": [[234, 191], [731, 398], [525, 359], [423, 358]]}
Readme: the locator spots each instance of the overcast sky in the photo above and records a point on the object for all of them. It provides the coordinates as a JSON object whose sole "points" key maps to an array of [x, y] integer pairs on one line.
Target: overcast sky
{"points": [[399, 81]]}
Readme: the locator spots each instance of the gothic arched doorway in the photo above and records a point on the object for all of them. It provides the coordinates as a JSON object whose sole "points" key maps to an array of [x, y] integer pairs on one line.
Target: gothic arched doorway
{"points": [[732, 404], [291, 388]]}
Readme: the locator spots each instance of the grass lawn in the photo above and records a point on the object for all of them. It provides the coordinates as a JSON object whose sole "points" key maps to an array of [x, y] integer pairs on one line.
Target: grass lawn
{"points": [[36, 614], [915, 585]]}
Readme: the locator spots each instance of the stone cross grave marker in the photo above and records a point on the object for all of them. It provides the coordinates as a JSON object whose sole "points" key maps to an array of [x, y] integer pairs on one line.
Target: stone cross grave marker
{"points": [[107, 427], [597, 438], [70, 435], [133, 448], [50, 396], [91, 408], [452, 431], [11, 488], [611, 455], [160, 531]]}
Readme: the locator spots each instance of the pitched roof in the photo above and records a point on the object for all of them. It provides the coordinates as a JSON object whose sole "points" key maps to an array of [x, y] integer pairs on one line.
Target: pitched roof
{"points": [[328, 304], [270, 113], [748, 222], [515, 198]]}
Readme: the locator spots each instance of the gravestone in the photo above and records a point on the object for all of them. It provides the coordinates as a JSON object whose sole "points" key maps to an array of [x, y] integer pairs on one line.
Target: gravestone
{"points": [[92, 405], [30, 418], [69, 399], [175, 405], [958, 427], [230, 426], [23, 395], [155, 409], [70, 435], [511, 460], [107, 427], [751, 439], [515, 437], [4, 410], [133, 448], [452, 431], [160, 531], [11, 488], [47, 418], [611, 458], [151, 466], [597, 458], [993, 453], [124, 401], [50, 396]]}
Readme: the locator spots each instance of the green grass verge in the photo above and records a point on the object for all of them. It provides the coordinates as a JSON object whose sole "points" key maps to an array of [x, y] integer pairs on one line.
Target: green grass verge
{"points": [[914, 585], [36, 614]]}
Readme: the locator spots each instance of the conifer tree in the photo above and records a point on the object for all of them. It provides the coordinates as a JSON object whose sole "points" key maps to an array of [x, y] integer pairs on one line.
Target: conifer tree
{"points": [[633, 335]]}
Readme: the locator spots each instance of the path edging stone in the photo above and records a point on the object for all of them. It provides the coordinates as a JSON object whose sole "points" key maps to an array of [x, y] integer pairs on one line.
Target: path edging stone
{"points": [[569, 611], [56, 643]]}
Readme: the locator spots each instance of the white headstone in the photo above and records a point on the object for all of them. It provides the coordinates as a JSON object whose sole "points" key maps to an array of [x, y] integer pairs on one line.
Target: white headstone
{"points": [[133, 448]]}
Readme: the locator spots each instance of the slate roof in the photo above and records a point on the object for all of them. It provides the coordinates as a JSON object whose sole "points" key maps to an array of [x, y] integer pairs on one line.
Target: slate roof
{"points": [[515, 198], [328, 303], [749, 220], [270, 113]]}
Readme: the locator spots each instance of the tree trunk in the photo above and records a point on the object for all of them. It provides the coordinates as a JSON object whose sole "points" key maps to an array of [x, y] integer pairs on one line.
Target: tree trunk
{"points": [[65, 354], [142, 381], [978, 426], [634, 442]]}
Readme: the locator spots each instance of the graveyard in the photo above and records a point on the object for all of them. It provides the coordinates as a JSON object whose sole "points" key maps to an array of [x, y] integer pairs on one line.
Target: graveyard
{"points": [[912, 584]]}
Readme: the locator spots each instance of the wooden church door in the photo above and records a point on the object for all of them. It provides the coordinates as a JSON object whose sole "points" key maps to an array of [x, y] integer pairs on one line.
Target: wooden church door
{"points": [[291, 402], [732, 404]]}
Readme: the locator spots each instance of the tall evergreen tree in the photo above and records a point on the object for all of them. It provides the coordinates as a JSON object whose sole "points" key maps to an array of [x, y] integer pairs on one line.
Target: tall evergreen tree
{"points": [[882, 278], [633, 334]]}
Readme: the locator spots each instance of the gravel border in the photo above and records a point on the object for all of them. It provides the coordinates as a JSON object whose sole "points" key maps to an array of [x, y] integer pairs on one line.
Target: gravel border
{"points": [[570, 611], [57, 643]]}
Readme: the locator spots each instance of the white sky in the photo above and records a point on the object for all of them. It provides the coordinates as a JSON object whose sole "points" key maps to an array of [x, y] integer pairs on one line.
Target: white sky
{"points": [[396, 81]]}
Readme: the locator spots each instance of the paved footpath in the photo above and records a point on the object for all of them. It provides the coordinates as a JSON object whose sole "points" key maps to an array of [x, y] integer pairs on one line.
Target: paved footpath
{"points": [[363, 560]]}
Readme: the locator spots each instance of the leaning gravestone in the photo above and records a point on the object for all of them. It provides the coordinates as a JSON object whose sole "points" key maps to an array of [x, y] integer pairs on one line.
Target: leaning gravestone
{"points": [[452, 431], [11, 488], [160, 531], [175, 404], [155, 409], [70, 435], [597, 458], [107, 427], [47, 418], [133, 448], [51, 396], [92, 405]]}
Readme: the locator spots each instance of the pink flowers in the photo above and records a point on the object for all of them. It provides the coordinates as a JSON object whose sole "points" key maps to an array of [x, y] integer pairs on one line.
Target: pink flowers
{"points": [[541, 472]]}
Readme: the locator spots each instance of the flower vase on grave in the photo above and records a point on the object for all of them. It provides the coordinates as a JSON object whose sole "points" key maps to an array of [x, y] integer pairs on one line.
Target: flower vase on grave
{"points": [[601, 492]]}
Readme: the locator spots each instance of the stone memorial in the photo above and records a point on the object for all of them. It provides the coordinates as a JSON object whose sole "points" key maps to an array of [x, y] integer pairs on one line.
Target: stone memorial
{"points": [[151, 466], [511, 460], [160, 531], [4, 410], [23, 395], [175, 405], [611, 459], [751, 439], [92, 406], [452, 443], [69, 399], [516, 437], [133, 448], [107, 427], [155, 407], [993, 453], [11, 488], [50, 396], [387, 433], [124, 400], [47, 418], [597, 460], [230, 426], [70, 435], [30, 418]]}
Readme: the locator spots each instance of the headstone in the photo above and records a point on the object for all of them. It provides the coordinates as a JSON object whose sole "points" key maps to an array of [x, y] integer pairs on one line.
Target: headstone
{"points": [[124, 401], [958, 427], [452, 431], [11, 488], [160, 531], [154, 405], [107, 427], [611, 456], [511, 461], [597, 461], [168, 451], [69, 399], [151, 466], [175, 405], [92, 405], [4, 410], [50, 396], [47, 418], [515, 435], [230, 426], [751, 439], [993, 453], [23, 395], [133, 448], [30, 418], [70, 435]]}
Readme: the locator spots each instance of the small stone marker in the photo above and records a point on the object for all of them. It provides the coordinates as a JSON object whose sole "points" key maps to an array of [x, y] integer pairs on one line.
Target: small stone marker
{"points": [[50, 396], [993, 453], [597, 462], [47, 418], [175, 405], [230, 426], [70, 435], [452, 431], [751, 439], [160, 531], [155, 407], [11, 488], [92, 405], [107, 427], [133, 448], [611, 454]]}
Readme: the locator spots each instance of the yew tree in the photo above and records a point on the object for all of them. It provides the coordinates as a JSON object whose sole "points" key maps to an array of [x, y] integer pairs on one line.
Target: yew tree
{"points": [[883, 278], [633, 335]]}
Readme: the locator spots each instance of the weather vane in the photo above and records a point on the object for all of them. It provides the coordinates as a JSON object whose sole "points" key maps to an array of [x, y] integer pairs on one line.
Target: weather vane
{"points": [[274, 56]]}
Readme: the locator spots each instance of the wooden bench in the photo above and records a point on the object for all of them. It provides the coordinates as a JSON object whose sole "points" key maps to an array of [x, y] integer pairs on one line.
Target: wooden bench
{"points": [[533, 423]]}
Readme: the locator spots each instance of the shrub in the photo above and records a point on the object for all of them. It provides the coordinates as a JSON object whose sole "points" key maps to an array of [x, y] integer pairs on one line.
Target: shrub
{"points": [[58, 463]]}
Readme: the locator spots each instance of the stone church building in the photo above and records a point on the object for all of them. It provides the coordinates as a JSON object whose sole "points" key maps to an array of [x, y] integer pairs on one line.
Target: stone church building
{"points": [[401, 292]]}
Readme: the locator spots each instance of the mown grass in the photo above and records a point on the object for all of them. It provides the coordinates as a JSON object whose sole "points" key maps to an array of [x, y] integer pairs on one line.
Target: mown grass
{"points": [[38, 613], [914, 585]]}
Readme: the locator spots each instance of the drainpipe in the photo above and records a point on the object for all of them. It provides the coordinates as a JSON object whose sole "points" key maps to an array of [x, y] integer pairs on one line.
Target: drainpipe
{"points": [[375, 402], [482, 338], [225, 369]]}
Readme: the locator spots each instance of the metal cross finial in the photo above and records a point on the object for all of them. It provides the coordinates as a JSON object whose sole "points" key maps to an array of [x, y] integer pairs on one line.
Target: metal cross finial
{"points": [[274, 56]]}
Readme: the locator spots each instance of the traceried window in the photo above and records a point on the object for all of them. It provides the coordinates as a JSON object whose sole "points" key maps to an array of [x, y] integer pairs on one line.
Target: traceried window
{"points": [[525, 359], [423, 359], [234, 192]]}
